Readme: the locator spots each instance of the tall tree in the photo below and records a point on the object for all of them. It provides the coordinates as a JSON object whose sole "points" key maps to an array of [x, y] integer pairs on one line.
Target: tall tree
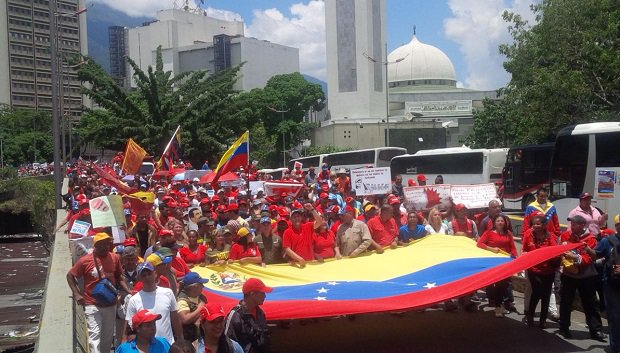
{"points": [[26, 135], [564, 68], [199, 101]]}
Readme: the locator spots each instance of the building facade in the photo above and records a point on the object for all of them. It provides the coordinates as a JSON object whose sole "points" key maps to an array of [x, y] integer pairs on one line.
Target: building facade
{"points": [[117, 39], [25, 62], [191, 41], [422, 107]]}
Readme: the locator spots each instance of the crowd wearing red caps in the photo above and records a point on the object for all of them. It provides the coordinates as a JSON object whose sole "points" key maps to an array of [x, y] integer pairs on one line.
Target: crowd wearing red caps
{"points": [[191, 224]]}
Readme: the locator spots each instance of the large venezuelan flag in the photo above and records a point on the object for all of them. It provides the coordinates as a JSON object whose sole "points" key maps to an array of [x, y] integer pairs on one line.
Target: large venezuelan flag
{"points": [[236, 156], [428, 271]]}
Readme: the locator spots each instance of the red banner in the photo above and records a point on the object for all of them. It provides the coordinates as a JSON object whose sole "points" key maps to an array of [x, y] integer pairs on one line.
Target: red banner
{"points": [[278, 187]]}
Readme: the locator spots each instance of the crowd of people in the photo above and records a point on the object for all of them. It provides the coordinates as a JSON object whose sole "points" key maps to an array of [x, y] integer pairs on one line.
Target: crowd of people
{"points": [[162, 305]]}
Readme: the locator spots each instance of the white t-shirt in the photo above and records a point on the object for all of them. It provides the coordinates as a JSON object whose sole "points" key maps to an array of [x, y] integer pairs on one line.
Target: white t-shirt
{"points": [[162, 302], [443, 230]]}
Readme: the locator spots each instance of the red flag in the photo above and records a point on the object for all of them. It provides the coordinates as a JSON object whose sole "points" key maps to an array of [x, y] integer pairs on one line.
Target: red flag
{"points": [[114, 182]]}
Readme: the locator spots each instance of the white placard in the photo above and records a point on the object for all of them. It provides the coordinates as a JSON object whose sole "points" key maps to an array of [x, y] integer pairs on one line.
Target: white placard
{"points": [[371, 181], [80, 228], [426, 197], [80, 247], [255, 185], [473, 196], [118, 234]]}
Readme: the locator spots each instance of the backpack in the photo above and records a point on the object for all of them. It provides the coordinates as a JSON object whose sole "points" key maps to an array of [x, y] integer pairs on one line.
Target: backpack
{"points": [[613, 260]]}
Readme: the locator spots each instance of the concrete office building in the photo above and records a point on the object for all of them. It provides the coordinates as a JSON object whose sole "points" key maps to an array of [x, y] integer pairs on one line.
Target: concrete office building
{"points": [[117, 39], [25, 70], [191, 41], [426, 109]]}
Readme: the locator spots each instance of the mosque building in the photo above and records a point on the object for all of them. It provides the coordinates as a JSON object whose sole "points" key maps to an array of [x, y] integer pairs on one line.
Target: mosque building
{"points": [[423, 107]]}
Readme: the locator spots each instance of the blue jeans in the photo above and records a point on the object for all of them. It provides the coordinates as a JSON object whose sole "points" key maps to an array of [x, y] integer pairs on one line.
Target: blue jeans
{"points": [[612, 304]]}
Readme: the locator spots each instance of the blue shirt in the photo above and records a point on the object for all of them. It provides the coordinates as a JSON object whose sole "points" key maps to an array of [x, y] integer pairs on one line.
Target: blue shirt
{"points": [[405, 234], [604, 249], [158, 345]]}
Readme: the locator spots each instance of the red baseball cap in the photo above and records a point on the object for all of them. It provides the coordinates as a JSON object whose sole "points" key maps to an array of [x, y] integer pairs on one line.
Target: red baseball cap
{"points": [[421, 177], [232, 207], [411, 182], [205, 201], [130, 242], [143, 316], [172, 204], [323, 196], [273, 208], [349, 209], [255, 285], [459, 207], [283, 194], [221, 208], [348, 199], [393, 200], [215, 198], [165, 232], [212, 311]]}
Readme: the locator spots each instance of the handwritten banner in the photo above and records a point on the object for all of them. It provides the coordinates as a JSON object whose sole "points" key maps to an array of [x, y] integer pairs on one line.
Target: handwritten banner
{"points": [[371, 181], [473, 196], [278, 187], [426, 197], [255, 185]]}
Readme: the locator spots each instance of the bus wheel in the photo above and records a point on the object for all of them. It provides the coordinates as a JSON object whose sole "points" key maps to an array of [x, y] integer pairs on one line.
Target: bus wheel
{"points": [[526, 200]]}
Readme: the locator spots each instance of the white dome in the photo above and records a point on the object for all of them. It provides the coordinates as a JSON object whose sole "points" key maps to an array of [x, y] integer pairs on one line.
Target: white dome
{"points": [[420, 62]]}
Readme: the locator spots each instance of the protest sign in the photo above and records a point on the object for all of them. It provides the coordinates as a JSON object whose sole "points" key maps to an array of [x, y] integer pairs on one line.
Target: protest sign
{"points": [[426, 197], [79, 229], [118, 234], [107, 211], [255, 185], [371, 181], [80, 247], [473, 196], [276, 188]]}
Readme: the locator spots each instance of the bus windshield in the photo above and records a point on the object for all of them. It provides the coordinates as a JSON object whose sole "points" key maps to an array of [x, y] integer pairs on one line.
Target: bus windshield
{"points": [[570, 163]]}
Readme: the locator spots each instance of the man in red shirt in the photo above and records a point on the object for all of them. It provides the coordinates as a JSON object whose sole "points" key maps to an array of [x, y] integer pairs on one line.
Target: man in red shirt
{"points": [[100, 318], [383, 228], [297, 240]]}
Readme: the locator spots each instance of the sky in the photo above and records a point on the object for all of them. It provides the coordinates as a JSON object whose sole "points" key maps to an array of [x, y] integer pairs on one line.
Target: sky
{"points": [[468, 31]]}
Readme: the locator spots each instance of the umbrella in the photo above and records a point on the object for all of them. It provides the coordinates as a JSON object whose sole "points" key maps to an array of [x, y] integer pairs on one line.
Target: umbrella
{"points": [[208, 178], [180, 176]]}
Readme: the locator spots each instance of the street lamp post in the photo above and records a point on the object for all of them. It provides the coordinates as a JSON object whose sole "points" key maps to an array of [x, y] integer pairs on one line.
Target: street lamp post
{"points": [[387, 95], [282, 111], [55, 104]]}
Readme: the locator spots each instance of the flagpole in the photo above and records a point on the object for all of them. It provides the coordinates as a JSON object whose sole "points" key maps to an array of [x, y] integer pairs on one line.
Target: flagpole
{"points": [[248, 141], [170, 142]]}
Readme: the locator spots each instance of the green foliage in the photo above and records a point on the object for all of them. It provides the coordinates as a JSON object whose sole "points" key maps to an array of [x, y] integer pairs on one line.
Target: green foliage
{"points": [[564, 69], [199, 102], [8, 173], [280, 108], [25, 134]]}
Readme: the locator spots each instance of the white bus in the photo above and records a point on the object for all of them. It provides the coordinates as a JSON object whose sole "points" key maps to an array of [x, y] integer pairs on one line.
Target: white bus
{"points": [[374, 157], [307, 162], [586, 159], [457, 165]]}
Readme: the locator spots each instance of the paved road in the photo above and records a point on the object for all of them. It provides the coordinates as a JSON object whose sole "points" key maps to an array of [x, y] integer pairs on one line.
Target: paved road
{"points": [[433, 331]]}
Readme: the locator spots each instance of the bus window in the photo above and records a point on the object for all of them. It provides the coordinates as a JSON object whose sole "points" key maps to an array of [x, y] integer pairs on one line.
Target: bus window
{"points": [[387, 154], [462, 163], [570, 164], [607, 147], [358, 157]]}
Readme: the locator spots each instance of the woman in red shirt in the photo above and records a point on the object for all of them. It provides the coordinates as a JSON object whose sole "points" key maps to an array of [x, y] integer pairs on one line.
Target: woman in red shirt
{"points": [[244, 249], [193, 253], [540, 276], [498, 239], [323, 243]]}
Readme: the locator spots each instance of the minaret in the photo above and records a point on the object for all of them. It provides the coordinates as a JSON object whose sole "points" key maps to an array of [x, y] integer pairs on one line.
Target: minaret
{"points": [[355, 35]]}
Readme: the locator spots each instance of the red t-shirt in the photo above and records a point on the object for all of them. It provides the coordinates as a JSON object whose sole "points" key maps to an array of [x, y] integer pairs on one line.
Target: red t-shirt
{"points": [[324, 244], [529, 243], [334, 227], [300, 240], [193, 257], [109, 267], [237, 252], [383, 233], [503, 241]]}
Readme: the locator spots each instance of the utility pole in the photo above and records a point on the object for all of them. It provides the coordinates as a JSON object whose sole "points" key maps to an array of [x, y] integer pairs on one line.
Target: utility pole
{"points": [[282, 111], [55, 113]]}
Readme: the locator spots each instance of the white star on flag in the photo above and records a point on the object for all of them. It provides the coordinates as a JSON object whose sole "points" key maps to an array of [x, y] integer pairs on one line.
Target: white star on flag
{"points": [[322, 290], [430, 285], [332, 283], [321, 298]]}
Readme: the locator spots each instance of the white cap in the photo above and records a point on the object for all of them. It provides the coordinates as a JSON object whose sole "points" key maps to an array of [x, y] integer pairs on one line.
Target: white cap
{"points": [[195, 179]]}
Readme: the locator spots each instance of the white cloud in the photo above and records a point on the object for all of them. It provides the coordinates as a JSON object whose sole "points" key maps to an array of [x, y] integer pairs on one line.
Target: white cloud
{"points": [[478, 28], [136, 8], [223, 14], [305, 29]]}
